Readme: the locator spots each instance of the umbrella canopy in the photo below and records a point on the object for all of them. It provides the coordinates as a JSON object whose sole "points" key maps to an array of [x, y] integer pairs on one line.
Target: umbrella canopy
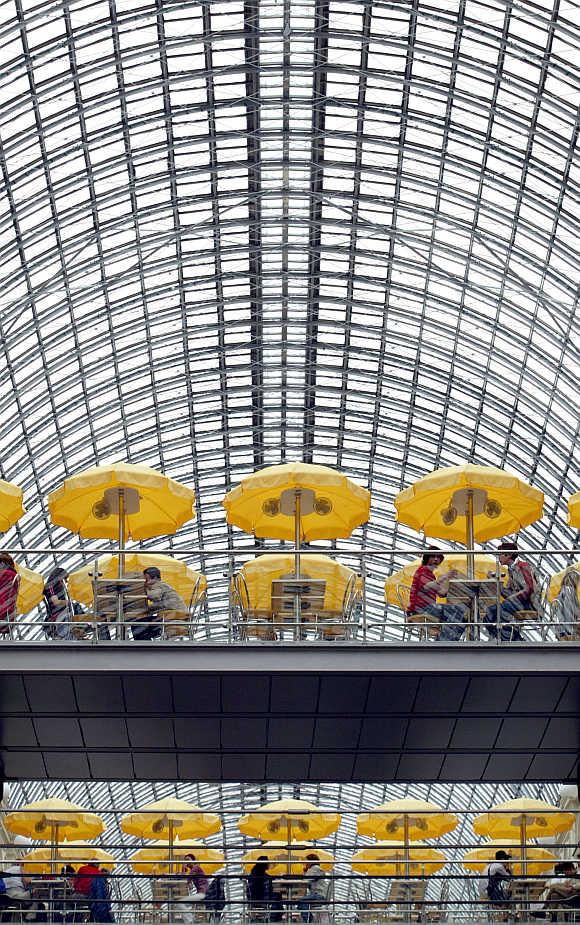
{"points": [[289, 818], [54, 820], [437, 503], [453, 560], [538, 860], [556, 580], [178, 574], [395, 859], [332, 506], [156, 859], [523, 818], [279, 857], [262, 571], [408, 818], [574, 510], [30, 589], [176, 818], [87, 503], [41, 860], [11, 506]]}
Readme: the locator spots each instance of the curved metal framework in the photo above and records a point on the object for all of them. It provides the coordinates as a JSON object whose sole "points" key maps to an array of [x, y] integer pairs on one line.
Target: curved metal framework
{"points": [[235, 232]]}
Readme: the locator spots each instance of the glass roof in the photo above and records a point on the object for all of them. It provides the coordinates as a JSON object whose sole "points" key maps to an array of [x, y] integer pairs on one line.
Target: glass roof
{"points": [[235, 233], [232, 800]]}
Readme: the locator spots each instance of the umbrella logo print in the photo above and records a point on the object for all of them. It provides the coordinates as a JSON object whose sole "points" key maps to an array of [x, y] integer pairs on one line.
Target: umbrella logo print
{"points": [[101, 510], [323, 506]]}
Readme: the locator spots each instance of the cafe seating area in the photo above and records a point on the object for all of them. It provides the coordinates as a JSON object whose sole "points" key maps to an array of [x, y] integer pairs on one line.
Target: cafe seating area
{"points": [[405, 864], [291, 589]]}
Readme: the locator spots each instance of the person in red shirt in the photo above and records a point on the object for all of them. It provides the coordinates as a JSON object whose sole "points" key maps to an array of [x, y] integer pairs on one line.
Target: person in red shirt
{"points": [[423, 598], [84, 878], [9, 584], [519, 593]]}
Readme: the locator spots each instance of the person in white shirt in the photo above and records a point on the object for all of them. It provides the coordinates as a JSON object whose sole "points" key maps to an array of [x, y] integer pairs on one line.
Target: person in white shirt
{"points": [[563, 889], [16, 883]]}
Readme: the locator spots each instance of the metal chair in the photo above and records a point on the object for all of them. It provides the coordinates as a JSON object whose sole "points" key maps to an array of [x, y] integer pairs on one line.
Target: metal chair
{"points": [[339, 625], [425, 625], [10, 613], [249, 623]]}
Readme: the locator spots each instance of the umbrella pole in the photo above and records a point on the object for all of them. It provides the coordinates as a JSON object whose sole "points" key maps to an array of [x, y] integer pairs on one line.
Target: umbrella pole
{"points": [[121, 563], [297, 597], [53, 840], [407, 861], [289, 837], [524, 856], [470, 559]]}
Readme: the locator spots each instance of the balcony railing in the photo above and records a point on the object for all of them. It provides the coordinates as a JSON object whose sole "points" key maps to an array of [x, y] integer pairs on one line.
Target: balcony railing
{"points": [[286, 609]]}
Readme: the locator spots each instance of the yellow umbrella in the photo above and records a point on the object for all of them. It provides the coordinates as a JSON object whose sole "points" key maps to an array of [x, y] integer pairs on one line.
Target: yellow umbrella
{"points": [[469, 503], [290, 818], [177, 573], [163, 857], [41, 860], [395, 859], [111, 502], [30, 589], [556, 580], [524, 818], [298, 501], [279, 857], [262, 571], [453, 560], [11, 506], [538, 860], [410, 818], [574, 510], [177, 818], [54, 820]]}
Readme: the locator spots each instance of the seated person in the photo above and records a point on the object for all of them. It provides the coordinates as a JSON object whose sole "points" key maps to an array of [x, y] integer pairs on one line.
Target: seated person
{"points": [[17, 888], [567, 609], [564, 888], [163, 600], [520, 592], [261, 893], [423, 597], [497, 875], [85, 875], [317, 892], [9, 584], [197, 886]]}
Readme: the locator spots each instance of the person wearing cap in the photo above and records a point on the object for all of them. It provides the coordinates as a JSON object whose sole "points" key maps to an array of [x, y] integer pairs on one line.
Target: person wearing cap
{"points": [[520, 592], [498, 874], [423, 597]]}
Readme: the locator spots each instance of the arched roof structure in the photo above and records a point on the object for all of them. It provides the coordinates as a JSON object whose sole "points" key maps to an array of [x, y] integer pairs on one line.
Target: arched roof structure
{"points": [[235, 233]]}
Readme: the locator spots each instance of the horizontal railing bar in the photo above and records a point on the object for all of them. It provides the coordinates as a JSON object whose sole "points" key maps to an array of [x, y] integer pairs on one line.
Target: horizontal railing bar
{"points": [[253, 550]]}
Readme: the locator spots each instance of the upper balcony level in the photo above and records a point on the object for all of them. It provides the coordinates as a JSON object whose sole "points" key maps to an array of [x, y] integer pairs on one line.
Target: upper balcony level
{"points": [[345, 597]]}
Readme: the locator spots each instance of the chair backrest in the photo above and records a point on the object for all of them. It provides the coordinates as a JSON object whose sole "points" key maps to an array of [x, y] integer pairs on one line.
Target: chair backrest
{"points": [[403, 596], [241, 594], [8, 599], [349, 597], [198, 596]]}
